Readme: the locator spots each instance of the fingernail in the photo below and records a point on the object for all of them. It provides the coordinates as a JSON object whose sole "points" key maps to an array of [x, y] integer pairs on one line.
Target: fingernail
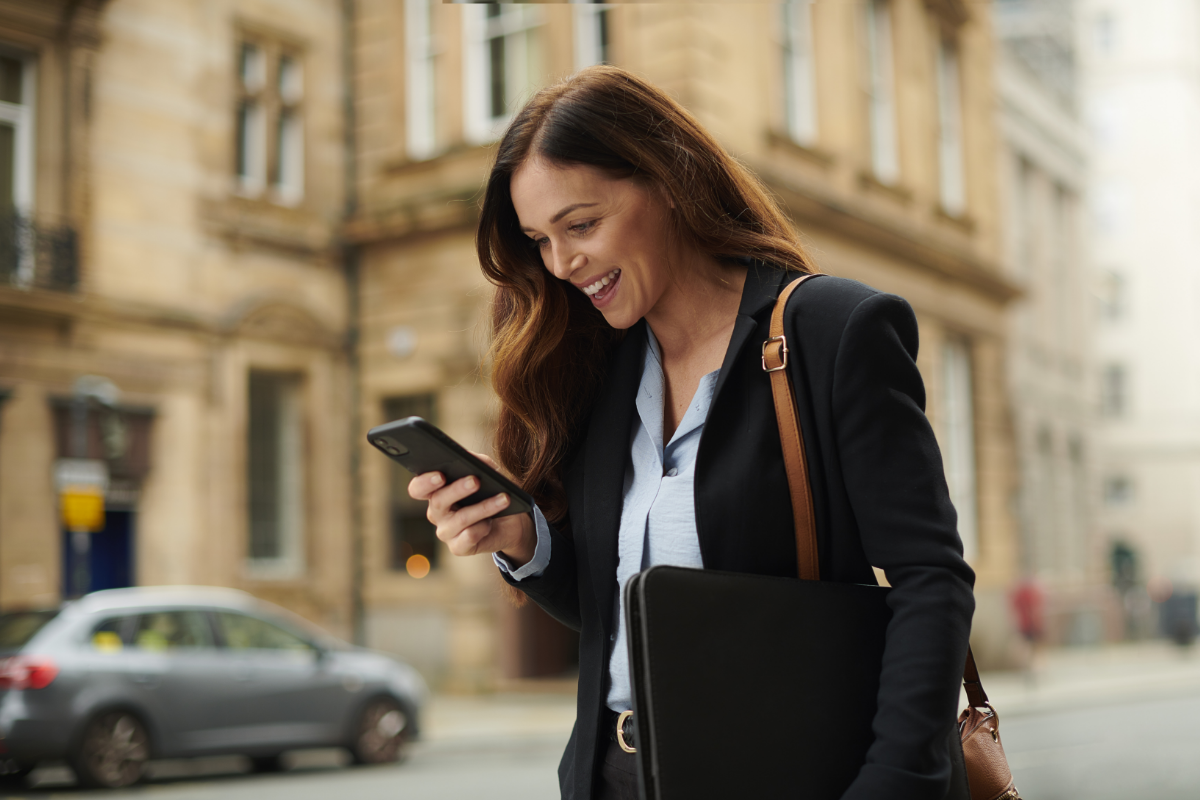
{"points": [[438, 480], [502, 499], [474, 483]]}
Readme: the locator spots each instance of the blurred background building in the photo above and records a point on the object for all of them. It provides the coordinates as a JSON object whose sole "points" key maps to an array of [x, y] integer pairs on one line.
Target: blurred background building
{"points": [[256, 220], [1141, 85], [1043, 177]]}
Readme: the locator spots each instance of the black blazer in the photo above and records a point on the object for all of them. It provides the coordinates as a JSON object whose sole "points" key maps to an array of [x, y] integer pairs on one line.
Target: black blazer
{"points": [[879, 494]]}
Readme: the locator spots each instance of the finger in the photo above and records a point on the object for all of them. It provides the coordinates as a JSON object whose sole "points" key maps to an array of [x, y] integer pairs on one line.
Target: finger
{"points": [[442, 501], [487, 460], [467, 542], [425, 484], [469, 516]]}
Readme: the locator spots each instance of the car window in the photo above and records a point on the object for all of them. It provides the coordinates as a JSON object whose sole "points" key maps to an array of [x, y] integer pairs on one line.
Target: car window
{"points": [[112, 634], [17, 628], [163, 631], [241, 632]]}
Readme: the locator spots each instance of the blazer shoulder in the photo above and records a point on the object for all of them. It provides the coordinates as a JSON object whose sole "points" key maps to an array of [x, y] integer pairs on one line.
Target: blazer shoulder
{"points": [[823, 310]]}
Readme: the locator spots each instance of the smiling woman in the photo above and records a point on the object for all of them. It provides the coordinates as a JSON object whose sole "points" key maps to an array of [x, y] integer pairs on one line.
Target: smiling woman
{"points": [[636, 266]]}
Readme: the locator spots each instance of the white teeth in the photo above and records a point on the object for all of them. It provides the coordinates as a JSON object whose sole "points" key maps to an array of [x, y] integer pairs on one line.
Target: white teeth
{"points": [[600, 284]]}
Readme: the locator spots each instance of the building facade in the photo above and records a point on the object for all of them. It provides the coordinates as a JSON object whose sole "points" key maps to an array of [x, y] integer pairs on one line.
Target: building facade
{"points": [[1140, 90], [255, 220], [171, 177], [873, 122], [1043, 174]]}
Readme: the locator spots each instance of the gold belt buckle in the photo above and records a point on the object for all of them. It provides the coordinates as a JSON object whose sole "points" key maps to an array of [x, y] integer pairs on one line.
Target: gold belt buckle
{"points": [[621, 732]]}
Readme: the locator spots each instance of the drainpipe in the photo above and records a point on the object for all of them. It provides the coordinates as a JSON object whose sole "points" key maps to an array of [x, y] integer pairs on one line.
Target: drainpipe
{"points": [[352, 258]]}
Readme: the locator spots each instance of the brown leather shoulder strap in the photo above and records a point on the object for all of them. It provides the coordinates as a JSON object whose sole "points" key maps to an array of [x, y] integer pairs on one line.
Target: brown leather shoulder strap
{"points": [[775, 361]]}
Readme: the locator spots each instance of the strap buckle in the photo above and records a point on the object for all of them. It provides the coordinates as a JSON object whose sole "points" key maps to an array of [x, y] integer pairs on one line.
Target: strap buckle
{"points": [[621, 732], [782, 354]]}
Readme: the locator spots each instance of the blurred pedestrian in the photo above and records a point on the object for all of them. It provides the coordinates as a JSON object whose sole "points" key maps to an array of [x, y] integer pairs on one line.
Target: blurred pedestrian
{"points": [[1028, 602], [636, 266]]}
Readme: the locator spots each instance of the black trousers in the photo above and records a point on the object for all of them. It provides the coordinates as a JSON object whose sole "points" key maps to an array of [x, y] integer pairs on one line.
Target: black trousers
{"points": [[618, 775]]}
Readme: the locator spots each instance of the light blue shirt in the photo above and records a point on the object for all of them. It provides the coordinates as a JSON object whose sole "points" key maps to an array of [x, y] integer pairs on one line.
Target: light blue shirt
{"points": [[658, 511]]}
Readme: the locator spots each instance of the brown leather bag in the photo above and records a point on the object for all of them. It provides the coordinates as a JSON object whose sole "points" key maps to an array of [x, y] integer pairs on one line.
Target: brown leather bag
{"points": [[988, 774]]}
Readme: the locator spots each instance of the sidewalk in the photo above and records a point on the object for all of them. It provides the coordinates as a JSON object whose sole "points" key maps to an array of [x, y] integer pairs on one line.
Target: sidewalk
{"points": [[1075, 677], [1062, 678]]}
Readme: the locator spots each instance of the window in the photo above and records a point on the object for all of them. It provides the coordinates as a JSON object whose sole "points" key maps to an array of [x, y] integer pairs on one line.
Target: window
{"points": [[275, 475], [166, 631], [421, 99], [1113, 290], [958, 409], [885, 161], [17, 89], [1118, 490], [240, 632], [799, 79], [1114, 390], [251, 131], [952, 183], [414, 546], [503, 64], [289, 139], [113, 634], [270, 122], [591, 34]]}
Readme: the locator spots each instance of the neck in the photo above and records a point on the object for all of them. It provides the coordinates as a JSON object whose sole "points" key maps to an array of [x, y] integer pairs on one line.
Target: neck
{"points": [[701, 305]]}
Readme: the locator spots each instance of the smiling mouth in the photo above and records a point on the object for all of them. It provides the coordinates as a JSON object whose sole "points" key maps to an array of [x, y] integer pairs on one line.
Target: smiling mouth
{"points": [[596, 290]]}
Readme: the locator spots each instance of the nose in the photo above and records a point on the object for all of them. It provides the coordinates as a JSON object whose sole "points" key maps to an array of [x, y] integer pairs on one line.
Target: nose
{"points": [[564, 262]]}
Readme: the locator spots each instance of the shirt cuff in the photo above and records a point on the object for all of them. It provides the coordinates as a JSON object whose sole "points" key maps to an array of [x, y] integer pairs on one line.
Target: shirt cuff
{"points": [[541, 554]]}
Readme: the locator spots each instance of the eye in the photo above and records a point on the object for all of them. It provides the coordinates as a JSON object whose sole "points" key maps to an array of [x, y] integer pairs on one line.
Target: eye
{"points": [[582, 227], [538, 243]]}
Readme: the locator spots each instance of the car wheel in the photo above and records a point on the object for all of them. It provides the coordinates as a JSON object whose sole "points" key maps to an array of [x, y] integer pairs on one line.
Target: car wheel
{"points": [[112, 752], [266, 763], [381, 733]]}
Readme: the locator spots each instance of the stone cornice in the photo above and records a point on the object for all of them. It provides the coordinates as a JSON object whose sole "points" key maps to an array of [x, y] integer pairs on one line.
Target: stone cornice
{"points": [[944, 258]]}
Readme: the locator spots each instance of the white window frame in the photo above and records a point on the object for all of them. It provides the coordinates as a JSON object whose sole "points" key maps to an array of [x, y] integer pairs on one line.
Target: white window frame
{"points": [[420, 101], [251, 140], [518, 24], [22, 117], [589, 21], [881, 92], [291, 495], [799, 71], [958, 429], [289, 144], [952, 185]]}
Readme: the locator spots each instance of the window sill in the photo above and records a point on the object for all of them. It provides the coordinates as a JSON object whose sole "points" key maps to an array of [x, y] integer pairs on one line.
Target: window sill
{"points": [[895, 191], [259, 221], [273, 571], [963, 221], [779, 139]]}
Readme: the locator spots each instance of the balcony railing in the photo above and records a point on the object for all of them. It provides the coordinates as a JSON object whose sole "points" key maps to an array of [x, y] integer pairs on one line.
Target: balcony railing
{"points": [[35, 255]]}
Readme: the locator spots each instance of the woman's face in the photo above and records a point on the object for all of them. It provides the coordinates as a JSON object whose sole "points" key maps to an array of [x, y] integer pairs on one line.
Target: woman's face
{"points": [[607, 237]]}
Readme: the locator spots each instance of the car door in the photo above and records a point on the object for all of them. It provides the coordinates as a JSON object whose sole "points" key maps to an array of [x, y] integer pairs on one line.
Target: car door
{"points": [[194, 688], [289, 695]]}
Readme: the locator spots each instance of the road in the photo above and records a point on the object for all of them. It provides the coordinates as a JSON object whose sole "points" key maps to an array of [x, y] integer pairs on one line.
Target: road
{"points": [[1137, 748]]}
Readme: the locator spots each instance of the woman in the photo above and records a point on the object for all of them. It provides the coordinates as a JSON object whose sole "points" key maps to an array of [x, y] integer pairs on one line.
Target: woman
{"points": [[636, 266]]}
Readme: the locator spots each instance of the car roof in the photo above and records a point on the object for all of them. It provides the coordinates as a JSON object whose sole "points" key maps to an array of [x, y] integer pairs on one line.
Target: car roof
{"points": [[149, 596]]}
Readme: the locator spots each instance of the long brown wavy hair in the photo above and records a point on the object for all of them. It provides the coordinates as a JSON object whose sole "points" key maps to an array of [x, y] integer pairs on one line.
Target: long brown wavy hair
{"points": [[550, 348]]}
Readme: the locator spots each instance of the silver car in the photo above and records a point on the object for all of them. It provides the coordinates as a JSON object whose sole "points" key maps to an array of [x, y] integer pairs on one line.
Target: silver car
{"points": [[121, 676]]}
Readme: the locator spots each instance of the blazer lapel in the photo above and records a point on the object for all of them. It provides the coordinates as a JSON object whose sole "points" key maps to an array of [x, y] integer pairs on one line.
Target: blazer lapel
{"points": [[763, 283], [604, 468]]}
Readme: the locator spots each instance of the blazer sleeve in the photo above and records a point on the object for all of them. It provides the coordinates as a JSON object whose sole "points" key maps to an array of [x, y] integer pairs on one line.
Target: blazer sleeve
{"points": [[556, 589], [897, 489]]}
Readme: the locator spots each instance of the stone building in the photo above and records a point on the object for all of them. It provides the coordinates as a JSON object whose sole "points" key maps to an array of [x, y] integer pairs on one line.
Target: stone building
{"points": [[1043, 169], [1140, 85], [171, 176], [873, 122], [256, 219]]}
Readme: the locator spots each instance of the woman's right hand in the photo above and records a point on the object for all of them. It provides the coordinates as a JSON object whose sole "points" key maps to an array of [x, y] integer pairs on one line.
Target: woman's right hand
{"points": [[468, 530]]}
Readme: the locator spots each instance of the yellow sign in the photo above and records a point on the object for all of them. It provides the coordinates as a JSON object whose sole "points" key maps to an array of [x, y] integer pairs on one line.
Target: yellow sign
{"points": [[83, 508]]}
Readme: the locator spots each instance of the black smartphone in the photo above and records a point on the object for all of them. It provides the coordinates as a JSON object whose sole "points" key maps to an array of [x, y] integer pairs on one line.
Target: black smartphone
{"points": [[420, 447]]}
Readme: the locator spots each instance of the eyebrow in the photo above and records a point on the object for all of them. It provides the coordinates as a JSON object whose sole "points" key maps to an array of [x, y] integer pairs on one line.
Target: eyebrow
{"points": [[564, 212]]}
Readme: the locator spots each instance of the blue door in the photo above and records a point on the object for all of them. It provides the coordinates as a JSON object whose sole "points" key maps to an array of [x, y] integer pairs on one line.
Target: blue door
{"points": [[110, 554]]}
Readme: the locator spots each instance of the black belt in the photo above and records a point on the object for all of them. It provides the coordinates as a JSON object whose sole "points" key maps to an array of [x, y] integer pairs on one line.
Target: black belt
{"points": [[620, 729]]}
